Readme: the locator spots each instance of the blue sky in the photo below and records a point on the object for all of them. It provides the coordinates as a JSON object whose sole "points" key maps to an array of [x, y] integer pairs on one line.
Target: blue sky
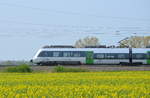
{"points": [[27, 25]]}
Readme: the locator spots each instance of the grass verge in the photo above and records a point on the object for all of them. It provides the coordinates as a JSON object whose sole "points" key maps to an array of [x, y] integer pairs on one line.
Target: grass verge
{"points": [[21, 69], [65, 69]]}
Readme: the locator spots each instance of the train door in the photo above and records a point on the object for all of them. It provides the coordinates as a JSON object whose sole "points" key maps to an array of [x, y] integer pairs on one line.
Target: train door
{"points": [[148, 57], [89, 57]]}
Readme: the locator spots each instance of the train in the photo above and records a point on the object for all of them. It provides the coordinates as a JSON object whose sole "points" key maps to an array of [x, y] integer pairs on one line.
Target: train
{"points": [[92, 56]]}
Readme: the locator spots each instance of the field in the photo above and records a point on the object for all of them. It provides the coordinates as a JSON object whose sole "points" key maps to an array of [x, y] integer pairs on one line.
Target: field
{"points": [[121, 84]]}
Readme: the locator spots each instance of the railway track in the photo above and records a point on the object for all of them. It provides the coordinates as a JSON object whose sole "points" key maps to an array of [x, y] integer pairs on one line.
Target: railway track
{"points": [[91, 67], [98, 67]]}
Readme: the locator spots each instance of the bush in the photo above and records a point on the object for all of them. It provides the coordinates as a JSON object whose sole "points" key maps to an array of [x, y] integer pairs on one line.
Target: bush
{"points": [[20, 68], [65, 69]]}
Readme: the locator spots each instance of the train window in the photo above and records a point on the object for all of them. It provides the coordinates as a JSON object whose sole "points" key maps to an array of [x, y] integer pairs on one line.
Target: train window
{"points": [[82, 53], [127, 56], [99, 55], [121, 56], [148, 55], [43, 54], [50, 53], [56, 54], [110, 56], [66, 54], [76, 54], [139, 56]]}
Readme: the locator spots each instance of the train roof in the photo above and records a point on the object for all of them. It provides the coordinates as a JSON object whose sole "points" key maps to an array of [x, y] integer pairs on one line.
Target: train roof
{"points": [[140, 50]]}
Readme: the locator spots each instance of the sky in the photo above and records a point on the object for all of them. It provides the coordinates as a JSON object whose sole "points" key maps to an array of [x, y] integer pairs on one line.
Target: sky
{"points": [[27, 25]]}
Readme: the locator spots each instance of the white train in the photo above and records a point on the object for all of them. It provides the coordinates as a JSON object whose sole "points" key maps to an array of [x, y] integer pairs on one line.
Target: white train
{"points": [[91, 56]]}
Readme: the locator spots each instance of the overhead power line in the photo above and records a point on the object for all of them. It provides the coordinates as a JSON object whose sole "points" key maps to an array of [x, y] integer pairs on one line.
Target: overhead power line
{"points": [[118, 29], [73, 13], [95, 30]]}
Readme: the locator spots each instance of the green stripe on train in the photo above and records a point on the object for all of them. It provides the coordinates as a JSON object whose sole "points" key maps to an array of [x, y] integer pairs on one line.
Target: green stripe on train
{"points": [[89, 57], [148, 57]]}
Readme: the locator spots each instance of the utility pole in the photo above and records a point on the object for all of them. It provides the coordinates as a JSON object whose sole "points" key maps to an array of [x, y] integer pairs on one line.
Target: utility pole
{"points": [[130, 55]]}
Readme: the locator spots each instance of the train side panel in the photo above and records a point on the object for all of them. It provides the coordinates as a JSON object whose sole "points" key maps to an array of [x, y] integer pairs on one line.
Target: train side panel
{"points": [[43, 60], [110, 61]]}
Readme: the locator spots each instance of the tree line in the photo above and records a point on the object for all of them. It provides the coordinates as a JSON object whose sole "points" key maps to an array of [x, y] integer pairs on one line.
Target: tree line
{"points": [[133, 41]]}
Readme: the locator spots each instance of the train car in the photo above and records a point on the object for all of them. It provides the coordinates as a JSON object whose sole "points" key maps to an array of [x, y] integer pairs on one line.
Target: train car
{"points": [[141, 55], [111, 56], [47, 56]]}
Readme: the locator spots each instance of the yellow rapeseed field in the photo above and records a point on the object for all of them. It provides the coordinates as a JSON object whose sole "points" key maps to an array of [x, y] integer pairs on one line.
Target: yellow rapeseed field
{"points": [[127, 84]]}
